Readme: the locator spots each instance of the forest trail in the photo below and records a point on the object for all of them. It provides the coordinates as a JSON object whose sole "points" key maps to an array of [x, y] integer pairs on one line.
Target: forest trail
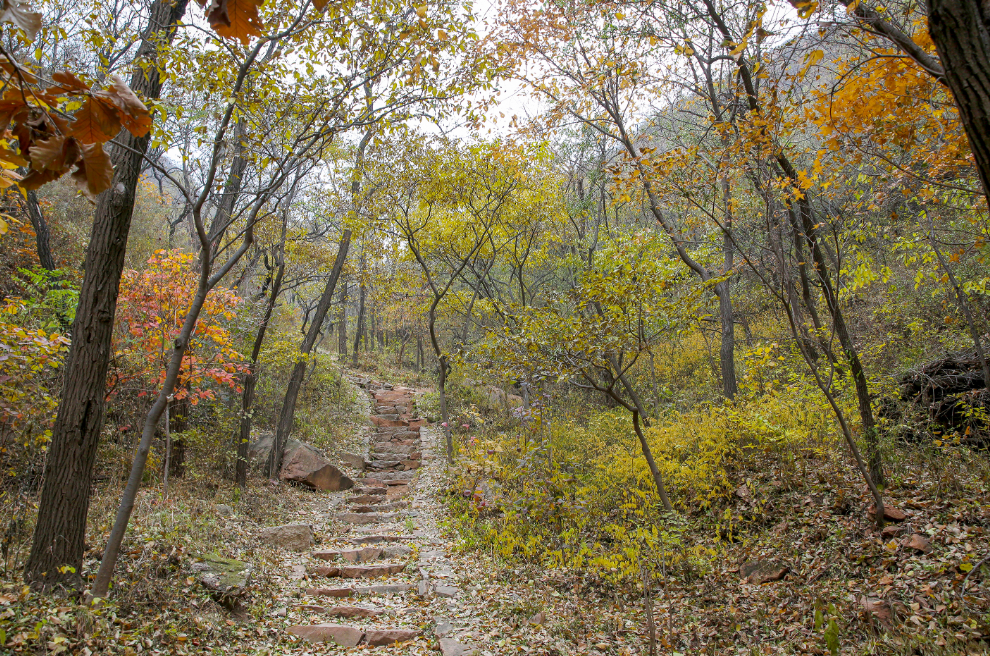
{"points": [[386, 578]]}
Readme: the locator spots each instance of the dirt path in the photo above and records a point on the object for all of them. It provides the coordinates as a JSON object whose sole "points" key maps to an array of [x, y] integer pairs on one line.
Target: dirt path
{"points": [[384, 578]]}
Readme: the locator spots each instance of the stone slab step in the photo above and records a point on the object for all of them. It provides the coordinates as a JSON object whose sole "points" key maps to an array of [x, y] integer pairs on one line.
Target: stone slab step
{"points": [[350, 555], [350, 636], [366, 490], [375, 539], [348, 612], [366, 499], [390, 476], [381, 507], [382, 589], [358, 571], [368, 518]]}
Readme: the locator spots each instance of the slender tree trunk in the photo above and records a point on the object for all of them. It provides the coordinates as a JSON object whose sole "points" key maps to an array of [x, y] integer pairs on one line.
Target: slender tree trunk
{"points": [[288, 412], [57, 550], [419, 352], [961, 32], [42, 237], [251, 380], [359, 332], [342, 322], [852, 355], [654, 470]]}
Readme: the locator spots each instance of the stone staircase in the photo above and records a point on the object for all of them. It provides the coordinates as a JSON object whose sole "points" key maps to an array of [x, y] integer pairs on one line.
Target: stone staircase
{"points": [[379, 559]]}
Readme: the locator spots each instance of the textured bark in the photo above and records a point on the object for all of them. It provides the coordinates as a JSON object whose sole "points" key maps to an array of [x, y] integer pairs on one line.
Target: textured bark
{"points": [[960, 31], [359, 330], [251, 379], [288, 412], [61, 528], [42, 237], [342, 322]]}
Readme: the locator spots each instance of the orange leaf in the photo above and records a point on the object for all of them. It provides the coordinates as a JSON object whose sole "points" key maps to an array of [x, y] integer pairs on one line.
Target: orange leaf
{"points": [[94, 171], [20, 14], [235, 19], [55, 154], [96, 122], [69, 83], [131, 111]]}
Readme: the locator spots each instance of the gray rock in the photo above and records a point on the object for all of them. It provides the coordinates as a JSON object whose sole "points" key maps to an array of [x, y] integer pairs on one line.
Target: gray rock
{"points": [[297, 537], [446, 591], [450, 647], [226, 579], [353, 460], [442, 628]]}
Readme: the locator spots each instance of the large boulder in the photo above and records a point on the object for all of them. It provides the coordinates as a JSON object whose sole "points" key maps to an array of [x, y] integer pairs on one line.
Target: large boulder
{"points": [[303, 464]]}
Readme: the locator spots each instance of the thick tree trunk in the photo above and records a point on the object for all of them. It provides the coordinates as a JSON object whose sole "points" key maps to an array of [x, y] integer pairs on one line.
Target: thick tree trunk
{"points": [[961, 32], [288, 412], [251, 380], [57, 550]]}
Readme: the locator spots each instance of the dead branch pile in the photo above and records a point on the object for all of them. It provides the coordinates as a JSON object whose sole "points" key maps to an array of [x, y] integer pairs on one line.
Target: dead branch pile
{"points": [[950, 392]]}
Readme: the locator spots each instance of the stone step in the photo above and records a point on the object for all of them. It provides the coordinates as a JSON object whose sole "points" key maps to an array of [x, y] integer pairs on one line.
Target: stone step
{"points": [[350, 636], [365, 554], [382, 507], [389, 447], [380, 465], [369, 498], [368, 518], [357, 571], [358, 590], [348, 612], [375, 539], [390, 476], [366, 490]]}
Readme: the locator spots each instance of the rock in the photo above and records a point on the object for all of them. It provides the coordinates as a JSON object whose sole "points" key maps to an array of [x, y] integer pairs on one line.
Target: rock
{"points": [[330, 592], [258, 450], [382, 637], [223, 509], [442, 628], [310, 608], [367, 498], [396, 551], [896, 530], [367, 518], [352, 460], [446, 591], [370, 571], [383, 421], [323, 570], [345, 636], [375, 539], [382, 507], [878, 610], [351, 612], [375, 490], [297, 537], [390, 476], [298, 572], [226, 579], [890, 513], [917, 542], [759, 572], [305, 465], [423, 588], [394, 588], [451, 647]]}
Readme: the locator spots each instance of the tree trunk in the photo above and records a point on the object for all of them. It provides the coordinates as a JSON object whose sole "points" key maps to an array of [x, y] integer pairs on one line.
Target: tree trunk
{"points": [[870, 434], [178, 423], [654, 470], [61, 528], [41, 233], [251, 380], [419, 352], [342, 322], [961, 34], [358, 333], [288, 412]]}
